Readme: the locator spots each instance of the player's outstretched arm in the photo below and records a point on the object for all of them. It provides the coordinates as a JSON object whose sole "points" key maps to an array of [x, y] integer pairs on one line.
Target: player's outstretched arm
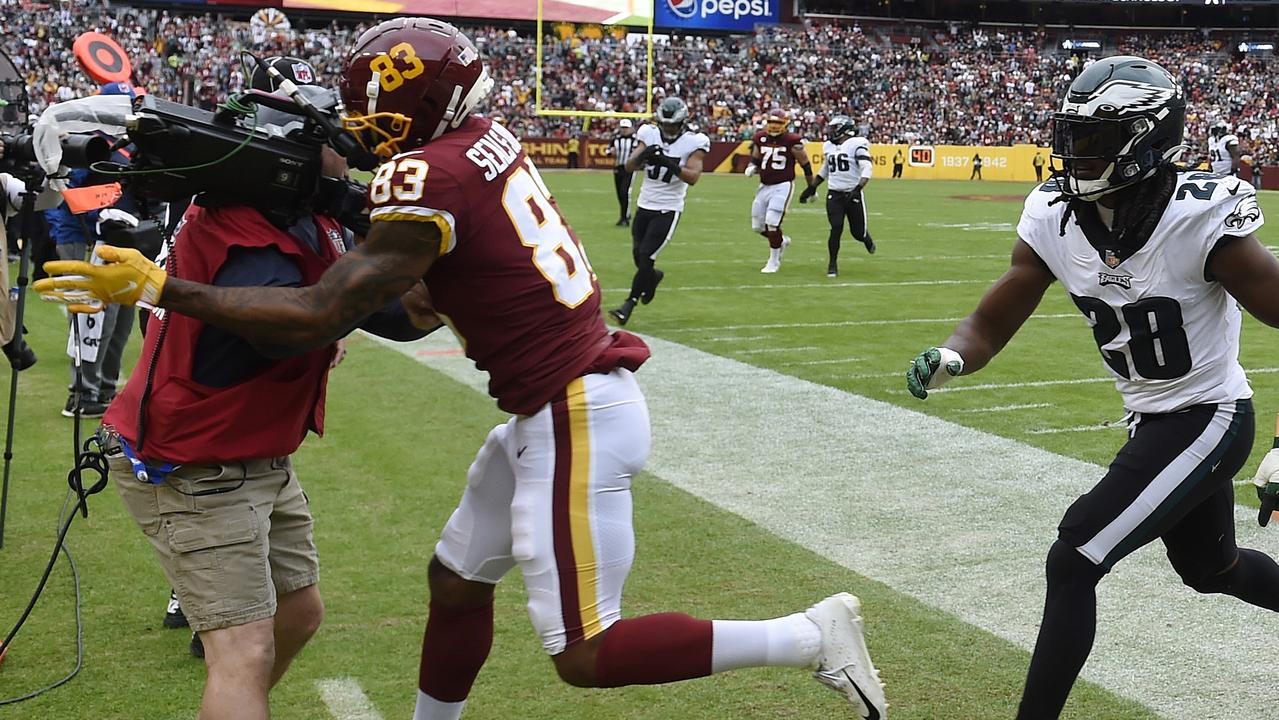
{"points": [[394, 256], [1250, 273], [981, 335], [1002, 310]]}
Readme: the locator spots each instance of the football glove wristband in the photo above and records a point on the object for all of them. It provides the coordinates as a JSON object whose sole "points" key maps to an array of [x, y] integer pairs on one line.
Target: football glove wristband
{"points": [[808, 194], [1267, 482], [127, 278], [933, 368]]}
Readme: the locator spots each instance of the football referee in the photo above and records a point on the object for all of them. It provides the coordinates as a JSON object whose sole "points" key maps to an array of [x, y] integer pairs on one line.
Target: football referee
{"points": [[621, 148]]}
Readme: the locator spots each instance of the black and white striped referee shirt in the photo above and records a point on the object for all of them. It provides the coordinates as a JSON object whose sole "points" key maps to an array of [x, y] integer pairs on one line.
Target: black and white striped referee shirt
{"points": [[622, 147]]}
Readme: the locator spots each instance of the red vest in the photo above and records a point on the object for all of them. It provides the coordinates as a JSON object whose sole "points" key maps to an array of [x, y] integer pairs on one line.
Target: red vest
{"points": [[267, 415]]}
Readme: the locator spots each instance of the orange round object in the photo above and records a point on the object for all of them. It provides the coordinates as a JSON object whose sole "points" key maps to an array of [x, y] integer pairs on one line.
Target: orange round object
{"points": [[102, 58]]}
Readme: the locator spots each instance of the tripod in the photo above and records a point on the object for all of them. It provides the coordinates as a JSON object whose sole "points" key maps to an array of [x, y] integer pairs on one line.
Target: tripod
{"points": [[34, 182]]}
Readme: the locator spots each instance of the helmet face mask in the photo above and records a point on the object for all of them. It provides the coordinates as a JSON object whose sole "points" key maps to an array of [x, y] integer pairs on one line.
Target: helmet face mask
{"points": [[408, 81], [839, 129], [671, 118], [1123, 117], [776, 122]]}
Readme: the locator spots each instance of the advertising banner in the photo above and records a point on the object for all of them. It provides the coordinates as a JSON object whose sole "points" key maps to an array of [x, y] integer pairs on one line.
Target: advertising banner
{"points": [[553, 153], [737, 15], [931, 162], [608, 12]]}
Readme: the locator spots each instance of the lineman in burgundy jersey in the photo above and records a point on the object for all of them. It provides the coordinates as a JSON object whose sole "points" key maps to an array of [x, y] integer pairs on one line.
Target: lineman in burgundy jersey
{"points": [[774, 153], [512, 280]]}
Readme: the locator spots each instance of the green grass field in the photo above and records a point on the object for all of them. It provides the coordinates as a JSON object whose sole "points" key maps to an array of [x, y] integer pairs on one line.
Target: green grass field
{"points": [[402, 435]]}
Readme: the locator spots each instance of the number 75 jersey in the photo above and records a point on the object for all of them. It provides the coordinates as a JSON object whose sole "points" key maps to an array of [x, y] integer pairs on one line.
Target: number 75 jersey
{"points": [[1166, 329], [512, 280]]}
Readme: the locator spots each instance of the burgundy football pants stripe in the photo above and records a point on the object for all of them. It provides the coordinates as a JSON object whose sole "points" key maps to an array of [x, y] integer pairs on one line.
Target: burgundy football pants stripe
{"points": [[562, 529]]}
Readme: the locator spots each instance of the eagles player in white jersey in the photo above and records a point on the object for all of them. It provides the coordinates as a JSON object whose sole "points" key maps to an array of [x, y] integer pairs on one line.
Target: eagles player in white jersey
{"points": [[1223, 150], [1158, 260], [847, 164], [670, 153]]}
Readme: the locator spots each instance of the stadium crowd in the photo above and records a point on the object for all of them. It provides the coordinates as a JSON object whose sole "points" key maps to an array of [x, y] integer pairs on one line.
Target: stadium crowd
{"points": [[943, 83]]}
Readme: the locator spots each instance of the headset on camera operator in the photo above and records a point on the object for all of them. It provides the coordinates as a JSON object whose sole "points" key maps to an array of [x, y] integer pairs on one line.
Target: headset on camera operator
{"points": [[198, 443]]}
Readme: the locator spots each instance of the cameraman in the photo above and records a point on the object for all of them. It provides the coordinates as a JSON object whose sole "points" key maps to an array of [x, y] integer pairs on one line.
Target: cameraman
{"points": [[199, 448], [75, 236], [15, 348]]}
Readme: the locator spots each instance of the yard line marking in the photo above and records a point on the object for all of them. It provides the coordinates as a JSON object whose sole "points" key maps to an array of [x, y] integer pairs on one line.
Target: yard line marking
{"points": [[1078, 428], [756, 351], [839, 474], [741, 338], [346, 700], [837, 361], [851, 323], [779, 286], [1006, 408], [1077, 381]]}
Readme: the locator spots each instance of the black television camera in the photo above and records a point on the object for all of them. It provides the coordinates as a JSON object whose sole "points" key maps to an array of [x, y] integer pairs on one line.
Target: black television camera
{"points": [[259, 149]]}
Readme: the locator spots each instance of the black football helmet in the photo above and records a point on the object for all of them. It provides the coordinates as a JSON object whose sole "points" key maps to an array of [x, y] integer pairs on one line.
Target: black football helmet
{"points": [[1125, 110], [671, 118], [840, 128]]}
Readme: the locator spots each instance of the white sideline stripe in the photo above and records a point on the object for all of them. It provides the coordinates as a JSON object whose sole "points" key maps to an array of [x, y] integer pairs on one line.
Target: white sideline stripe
{"points": [[736, 338], [1006, 408], [776, 286], [850, 323], [345, 699], [873, 486]]}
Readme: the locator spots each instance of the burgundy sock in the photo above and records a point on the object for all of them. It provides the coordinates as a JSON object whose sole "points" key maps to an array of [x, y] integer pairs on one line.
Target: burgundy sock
{"points": [[654, 649], [454, 648], [774, 238]]}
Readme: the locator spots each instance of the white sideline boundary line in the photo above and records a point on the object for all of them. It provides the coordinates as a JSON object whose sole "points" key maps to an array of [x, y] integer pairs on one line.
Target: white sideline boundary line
{"points": [[346, 700], [858, 481]]}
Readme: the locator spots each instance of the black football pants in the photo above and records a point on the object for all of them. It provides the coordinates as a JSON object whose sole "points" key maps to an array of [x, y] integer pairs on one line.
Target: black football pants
{"points": [[650, 232], [844, 206]]}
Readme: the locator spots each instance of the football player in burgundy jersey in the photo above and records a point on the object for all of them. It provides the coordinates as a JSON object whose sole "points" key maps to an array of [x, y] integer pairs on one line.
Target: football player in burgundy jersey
{"points": [[774, 154], [459, 205]]}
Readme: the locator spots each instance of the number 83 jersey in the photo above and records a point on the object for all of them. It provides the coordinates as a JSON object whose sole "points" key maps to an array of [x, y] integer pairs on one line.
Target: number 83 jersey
{"points": [[1167, 331], [512, 281]]}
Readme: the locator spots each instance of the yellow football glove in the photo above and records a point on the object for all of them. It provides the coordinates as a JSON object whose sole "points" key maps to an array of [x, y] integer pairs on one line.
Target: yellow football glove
{"points": [[127, 278]]}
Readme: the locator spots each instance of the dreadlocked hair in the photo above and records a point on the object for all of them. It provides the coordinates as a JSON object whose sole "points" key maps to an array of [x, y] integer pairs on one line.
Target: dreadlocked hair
{"points": [[1137, 212]]}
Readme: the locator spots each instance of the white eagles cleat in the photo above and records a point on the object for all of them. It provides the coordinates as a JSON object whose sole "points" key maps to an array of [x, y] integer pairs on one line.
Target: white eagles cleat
{"points": [[785, 244], [843, 664], [771, 266]]}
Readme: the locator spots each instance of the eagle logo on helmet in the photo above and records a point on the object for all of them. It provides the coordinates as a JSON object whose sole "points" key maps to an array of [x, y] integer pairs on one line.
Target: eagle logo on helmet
{"points": [[671, 118], [408, 81], [1122, 97], [776, 122]]}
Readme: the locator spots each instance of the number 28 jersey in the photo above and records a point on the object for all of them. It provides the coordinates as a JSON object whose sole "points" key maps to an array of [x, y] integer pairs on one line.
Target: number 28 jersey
{"points": [[512, 280], [662, 189], [1167, 330]]}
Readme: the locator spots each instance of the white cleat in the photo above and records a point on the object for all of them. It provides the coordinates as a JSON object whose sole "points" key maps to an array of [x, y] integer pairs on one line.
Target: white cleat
{"points": [[843, 664], [771, 266], [785, 244]]}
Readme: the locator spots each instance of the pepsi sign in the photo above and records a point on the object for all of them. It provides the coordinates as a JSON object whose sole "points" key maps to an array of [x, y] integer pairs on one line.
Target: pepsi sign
{"points": [[715, 14]]}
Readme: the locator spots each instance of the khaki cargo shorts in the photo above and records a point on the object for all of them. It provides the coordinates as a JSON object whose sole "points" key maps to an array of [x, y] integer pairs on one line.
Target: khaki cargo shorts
{"points": [[231, 538]]}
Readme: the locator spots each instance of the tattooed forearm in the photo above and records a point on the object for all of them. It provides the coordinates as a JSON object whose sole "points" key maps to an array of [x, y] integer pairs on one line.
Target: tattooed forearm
{"points": [[394, 257]]}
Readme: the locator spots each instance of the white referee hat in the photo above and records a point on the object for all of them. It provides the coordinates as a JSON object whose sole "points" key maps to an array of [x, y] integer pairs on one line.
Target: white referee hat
{"points": [[625, 123]]}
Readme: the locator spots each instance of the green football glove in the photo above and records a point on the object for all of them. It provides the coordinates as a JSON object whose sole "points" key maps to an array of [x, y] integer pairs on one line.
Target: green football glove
{"points": [[933, 368], [1267, 482]]}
